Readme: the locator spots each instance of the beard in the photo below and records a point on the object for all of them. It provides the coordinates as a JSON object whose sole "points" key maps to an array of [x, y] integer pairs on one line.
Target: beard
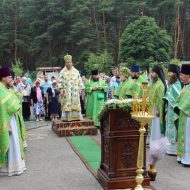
{"points": [[95, 79], [172, 80], [124, 79], [135, 77], [10, 85], [68, 67], [154, 79]]}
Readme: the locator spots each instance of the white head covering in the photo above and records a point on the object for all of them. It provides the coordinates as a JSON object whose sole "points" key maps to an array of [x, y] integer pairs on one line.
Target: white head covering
{"points": [[24, 78], [54, 81]]}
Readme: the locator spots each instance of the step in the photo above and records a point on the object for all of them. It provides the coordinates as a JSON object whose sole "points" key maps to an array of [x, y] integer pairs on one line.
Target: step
{"points": [[74, 128]]}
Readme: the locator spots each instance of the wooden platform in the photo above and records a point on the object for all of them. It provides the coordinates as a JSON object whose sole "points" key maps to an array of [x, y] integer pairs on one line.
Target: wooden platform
{"points": [[74, 128]]}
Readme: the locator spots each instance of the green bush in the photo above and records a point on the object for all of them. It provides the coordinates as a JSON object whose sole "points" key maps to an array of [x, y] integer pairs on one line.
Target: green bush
{"points": [[17, 68], [103, 62]]}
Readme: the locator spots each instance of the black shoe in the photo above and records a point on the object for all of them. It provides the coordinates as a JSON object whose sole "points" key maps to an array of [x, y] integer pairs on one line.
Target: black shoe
{"points": [[186, 165], [152, 175], [171, 154], [47, 118]]}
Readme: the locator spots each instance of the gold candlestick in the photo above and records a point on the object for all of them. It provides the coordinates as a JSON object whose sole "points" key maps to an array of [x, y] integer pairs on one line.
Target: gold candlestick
{"points": [[143, 117], [143, 120]]}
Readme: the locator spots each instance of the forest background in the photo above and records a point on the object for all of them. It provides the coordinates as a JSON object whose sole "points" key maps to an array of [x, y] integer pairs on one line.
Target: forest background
{"points": [[35, 33]]}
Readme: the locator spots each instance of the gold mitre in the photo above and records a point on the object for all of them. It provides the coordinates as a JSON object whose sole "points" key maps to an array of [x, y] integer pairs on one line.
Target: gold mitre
{"points": [[68, 58], [124, 71]]}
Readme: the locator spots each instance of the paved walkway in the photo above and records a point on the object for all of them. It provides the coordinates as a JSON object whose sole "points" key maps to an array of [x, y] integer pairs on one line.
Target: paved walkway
{"points": [[52, 165]]}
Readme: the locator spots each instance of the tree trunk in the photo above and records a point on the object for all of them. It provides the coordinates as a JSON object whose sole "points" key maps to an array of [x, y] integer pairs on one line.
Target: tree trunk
{"points": [[96, 24], [50, 50], [15, 32], [118, 38], [104, 27], [177, 33]]}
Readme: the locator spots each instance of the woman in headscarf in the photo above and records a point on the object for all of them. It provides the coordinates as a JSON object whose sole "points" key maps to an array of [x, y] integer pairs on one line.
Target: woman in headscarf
{"points": [[37, 100], [52, 95], [24, 88]]}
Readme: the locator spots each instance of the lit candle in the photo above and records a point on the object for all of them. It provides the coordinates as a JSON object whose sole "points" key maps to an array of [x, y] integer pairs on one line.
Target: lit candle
{"points": [[133, 106], [144, 102], [135, 103], [139, 106], [144, 87]]}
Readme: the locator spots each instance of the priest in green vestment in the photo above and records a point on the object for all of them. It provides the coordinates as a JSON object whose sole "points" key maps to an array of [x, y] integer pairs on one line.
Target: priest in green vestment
{"points": [[182, 108], [70, 85], [126, 81], [156, 93], [135, 90], [11, 147], [173, 91], [96, 89]]}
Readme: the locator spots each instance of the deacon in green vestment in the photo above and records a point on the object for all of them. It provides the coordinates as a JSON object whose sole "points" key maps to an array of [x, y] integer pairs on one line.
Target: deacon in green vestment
{"points": [[96, 95], [173, 91], [9, 106], [5, 100], [182, 108], [135, 90], [156, 93], [70, 85], [126, 81]]}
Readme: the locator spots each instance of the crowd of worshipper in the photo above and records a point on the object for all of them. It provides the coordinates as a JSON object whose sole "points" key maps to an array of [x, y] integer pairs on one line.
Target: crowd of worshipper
{"points": [[42, 96], [72, 97]]}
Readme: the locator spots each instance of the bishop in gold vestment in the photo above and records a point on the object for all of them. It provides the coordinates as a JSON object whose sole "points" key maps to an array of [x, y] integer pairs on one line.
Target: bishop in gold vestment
{"points": [[70, 84]]}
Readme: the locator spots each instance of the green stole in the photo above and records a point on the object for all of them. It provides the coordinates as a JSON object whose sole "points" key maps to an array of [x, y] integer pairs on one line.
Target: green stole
{"points": [[183, 104], [123, 89], [172, 93], [9, 105], [97, 96], [90, 84], [156, 93]]}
